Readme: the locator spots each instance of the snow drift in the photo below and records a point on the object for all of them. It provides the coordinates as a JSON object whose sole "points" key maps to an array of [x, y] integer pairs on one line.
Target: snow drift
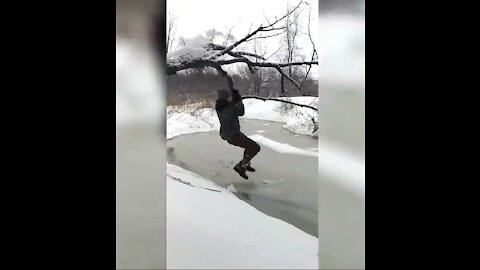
{"points": [[209, 227]]}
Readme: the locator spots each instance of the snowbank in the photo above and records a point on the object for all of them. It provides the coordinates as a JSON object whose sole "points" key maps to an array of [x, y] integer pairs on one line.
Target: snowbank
{"points": [[296, 119], [282, 147], [208, 227], [189, 121]]}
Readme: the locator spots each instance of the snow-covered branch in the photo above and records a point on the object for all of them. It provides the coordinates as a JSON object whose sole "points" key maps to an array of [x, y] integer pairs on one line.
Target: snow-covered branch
{"points": [[204, 53]]}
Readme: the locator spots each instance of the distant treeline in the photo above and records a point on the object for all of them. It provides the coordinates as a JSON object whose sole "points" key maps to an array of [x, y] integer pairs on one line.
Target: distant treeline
{"points": [[200, 84]]}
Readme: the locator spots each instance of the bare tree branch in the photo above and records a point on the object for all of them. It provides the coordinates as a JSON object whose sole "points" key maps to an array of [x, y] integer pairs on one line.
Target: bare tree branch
{"points": [[217, 64], [280, 100], [270, 65], [171, 31], [266, 64], [314, 53], [228, 35], [226, 75], [261, 28], [282, 84], [265, 17], [285, 28], [201, 63], [293, 10], [271, 29], [260, 37], [279, 48], [236, 53], [250, 29]]}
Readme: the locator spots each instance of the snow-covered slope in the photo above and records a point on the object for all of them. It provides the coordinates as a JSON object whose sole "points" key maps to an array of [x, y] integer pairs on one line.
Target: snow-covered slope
{"points": [[190, 121], [208, 227]]}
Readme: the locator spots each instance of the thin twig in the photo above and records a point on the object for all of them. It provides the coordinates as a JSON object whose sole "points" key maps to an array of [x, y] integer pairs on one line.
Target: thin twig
{"points": [[214, 46], [228, 36], [260, 28]]}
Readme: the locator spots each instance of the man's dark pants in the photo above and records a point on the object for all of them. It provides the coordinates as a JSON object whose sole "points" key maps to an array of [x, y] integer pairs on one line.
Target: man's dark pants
{"points": [[250, 146]]}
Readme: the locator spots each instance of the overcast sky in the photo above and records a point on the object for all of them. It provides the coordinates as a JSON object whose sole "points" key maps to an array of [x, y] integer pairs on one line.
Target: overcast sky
{"points": [[194, 17]]}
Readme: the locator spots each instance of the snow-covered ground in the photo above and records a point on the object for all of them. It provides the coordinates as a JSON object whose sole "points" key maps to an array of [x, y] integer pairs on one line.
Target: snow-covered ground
{"points": [[189, 120], [209, 227]]}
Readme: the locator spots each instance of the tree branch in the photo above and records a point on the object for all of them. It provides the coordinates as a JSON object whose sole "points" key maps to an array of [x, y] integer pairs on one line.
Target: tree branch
{"points": [[282, 85], [259, 29], [171, 70], [234, 54], [228, 36], [271, 65], [200, 63], [281, 46], [288, 77], [288, 13], [241, 57], [266, 64], [224, 74], [274, 35], [280, 100]]}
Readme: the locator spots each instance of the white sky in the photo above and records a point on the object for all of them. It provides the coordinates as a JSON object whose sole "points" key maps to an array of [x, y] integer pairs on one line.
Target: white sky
{"points": [[194, 17]]}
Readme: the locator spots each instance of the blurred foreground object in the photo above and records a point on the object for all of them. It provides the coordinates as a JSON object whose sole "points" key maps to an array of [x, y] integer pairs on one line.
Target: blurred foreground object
{"points": [[342, 134], [140, 143]]}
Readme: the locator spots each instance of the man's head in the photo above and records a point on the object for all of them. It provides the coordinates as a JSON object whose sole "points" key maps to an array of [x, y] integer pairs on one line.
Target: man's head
{"points": [[224, 94]]}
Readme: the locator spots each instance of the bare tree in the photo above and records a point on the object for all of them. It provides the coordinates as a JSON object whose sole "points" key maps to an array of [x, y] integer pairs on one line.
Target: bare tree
{"points": [[292, 29], [259, 74], [290, 50], [229, 37], [171, 31], [314, 52], [214, 56]]}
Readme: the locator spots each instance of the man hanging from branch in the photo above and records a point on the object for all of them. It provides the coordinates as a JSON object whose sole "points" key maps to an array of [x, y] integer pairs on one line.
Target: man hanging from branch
{"points": [[229, 107]]}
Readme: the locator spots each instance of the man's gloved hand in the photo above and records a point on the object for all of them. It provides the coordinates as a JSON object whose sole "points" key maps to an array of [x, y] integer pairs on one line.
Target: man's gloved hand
{"points": [[236, 95]]}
